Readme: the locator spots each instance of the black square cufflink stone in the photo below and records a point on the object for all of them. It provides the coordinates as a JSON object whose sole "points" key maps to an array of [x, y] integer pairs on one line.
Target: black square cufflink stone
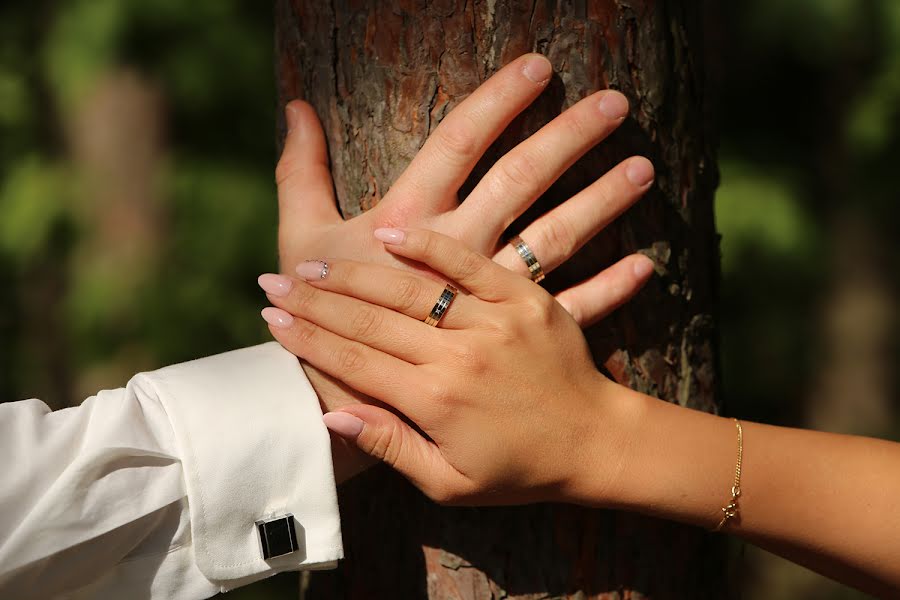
{"points": [[277, 536]]}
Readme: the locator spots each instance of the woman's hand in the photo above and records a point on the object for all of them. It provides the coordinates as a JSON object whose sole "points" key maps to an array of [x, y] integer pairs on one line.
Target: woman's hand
{"points": [[505, 389]]}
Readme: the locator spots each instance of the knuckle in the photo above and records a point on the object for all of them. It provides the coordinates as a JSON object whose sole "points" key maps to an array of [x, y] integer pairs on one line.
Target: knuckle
{"points": [[305, 332], [470, 358], [383, 445], [428, 244], [576, 125], [295, 168], [303, 297], [366, 322], [349, 359], [407, 292], [342, 274], [283, 170], [559, 235], [468, 265], [539, 308], [456, 139], [438, 394], [503, 324], [518, 170]]}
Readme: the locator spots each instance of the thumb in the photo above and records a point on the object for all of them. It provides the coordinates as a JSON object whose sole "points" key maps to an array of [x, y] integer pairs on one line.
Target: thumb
{"points": [[305, 187], [386, 437]]}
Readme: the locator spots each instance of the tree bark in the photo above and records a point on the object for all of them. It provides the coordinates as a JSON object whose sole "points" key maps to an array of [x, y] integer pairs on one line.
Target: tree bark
{"points": [[381, 76]]}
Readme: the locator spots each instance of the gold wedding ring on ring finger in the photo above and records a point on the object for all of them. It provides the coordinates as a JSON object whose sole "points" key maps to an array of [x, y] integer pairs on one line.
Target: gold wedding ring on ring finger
{"points": [[523, 250], [441, 306]]}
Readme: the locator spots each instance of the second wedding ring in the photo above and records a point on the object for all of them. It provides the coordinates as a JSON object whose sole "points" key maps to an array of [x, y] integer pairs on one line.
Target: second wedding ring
{"points": [[534, 266]]}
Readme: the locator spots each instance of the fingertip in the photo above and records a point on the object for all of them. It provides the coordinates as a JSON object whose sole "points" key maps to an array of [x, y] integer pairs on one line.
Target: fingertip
{"points": [[390, 236], [292, 114], [275, 284], [344, 424], [276, 317], [537, 68], [300, 116], [614, 105], [643, 267], [640, 171]]}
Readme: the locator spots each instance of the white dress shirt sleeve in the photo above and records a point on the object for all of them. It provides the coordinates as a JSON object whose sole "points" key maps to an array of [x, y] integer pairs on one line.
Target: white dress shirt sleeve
{"points": [[153, 491]]}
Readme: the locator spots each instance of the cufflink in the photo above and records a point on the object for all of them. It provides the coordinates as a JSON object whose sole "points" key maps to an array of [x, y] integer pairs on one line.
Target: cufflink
{"points": [[277, 536]]}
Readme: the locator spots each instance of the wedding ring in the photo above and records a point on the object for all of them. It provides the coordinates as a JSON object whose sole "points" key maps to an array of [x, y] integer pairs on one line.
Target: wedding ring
{"points": [[534, 267], [441, 306]]}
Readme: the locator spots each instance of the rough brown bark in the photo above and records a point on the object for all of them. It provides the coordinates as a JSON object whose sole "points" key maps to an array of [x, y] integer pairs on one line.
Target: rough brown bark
{"points": [[382, 75]]}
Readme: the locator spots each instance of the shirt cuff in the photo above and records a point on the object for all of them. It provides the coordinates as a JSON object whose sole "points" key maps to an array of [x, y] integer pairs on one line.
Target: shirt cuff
{"points": [[249, 429]]}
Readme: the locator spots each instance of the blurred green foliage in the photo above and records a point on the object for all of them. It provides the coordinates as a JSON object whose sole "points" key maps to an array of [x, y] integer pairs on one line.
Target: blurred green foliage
{"points": [[810, 121], [811, 117], [193, 292]]}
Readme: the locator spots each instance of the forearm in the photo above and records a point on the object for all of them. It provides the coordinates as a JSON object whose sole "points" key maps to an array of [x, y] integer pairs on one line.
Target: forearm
{"points": [[824, 500], [139, 480]]}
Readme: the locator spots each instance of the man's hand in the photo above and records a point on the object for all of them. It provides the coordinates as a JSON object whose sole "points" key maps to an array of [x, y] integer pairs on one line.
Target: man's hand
{"points": [[425, 196]]}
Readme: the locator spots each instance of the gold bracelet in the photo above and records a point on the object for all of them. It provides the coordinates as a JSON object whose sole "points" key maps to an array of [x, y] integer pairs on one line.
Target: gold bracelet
{"points": [[731, 510]]}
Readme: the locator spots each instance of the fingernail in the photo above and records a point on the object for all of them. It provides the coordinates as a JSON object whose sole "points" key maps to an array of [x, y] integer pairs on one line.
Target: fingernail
{"points": [[276, 285], [643, 267], [343, 424], [277, 317], [291, 116], [312, 269], [614, 105], [390, 236], [639, 171], [537, 69]]}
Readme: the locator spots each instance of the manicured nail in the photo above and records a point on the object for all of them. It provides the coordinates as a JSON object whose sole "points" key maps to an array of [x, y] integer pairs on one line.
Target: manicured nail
{"points": [[313, 269], [643, 267], [538, 69], [276, 285], [390, 236], [343, 424], [277, 317], [639, 171], [614, 105], [291, 116]]}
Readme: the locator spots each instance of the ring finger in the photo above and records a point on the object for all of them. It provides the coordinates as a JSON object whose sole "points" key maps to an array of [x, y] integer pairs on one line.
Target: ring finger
{"points": [[380, 328], [408, 293], [529, 169], [559, 234]]}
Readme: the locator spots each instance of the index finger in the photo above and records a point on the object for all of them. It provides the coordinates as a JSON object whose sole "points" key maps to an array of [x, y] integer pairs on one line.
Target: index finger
{"points": [[453, 149]]}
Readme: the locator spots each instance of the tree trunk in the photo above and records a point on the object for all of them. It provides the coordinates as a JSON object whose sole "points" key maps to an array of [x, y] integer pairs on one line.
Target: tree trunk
{"points": [[381, 76]]}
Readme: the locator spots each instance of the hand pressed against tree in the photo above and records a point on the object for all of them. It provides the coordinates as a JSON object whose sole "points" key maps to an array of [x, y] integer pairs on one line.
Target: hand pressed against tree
{"points": [[426, 195]]}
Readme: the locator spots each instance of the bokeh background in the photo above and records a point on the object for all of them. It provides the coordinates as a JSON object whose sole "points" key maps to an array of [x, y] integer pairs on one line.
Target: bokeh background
{"points": [[137, 207]]}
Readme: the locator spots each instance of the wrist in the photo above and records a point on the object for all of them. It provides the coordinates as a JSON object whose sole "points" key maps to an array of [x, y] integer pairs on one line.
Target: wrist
{"points": [[609, 429], [662, 460]]}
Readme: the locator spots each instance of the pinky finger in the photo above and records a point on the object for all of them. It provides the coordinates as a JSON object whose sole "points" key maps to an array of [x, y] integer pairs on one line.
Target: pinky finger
{"points": [[386, 437], [592, 300]]}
